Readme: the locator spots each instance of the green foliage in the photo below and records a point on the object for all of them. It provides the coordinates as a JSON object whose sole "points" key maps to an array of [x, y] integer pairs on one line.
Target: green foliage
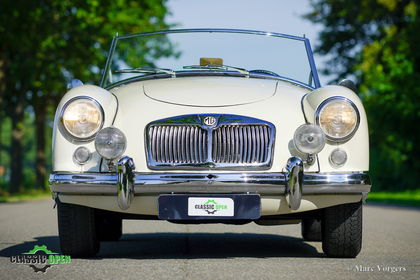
{"points": [[376, 42], [44, 44], [409, 197], [26, 196]]}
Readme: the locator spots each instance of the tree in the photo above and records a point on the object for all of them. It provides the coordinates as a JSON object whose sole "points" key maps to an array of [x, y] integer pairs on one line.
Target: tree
{"points": [[45, 43], [376, 42]]}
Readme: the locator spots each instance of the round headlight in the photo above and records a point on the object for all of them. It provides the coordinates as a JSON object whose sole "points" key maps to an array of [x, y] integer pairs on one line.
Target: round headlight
{"points": [[338, 117], [309, 139], [82, 117], [110, 143]]}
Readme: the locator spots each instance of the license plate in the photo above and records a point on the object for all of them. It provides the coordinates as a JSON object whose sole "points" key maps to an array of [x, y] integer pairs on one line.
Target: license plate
{"points": [[211, 206], [195, 207]]}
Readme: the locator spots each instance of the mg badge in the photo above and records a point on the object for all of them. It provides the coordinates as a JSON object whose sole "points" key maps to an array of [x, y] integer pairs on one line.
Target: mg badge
{"points": [[210, 121]]}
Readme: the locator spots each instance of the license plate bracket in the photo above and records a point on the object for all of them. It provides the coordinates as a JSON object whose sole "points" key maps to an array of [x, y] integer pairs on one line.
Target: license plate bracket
{"points": [[209, 207]]}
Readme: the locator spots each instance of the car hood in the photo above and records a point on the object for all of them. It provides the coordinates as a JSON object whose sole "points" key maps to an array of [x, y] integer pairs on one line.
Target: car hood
{"points": [[210, 91]]}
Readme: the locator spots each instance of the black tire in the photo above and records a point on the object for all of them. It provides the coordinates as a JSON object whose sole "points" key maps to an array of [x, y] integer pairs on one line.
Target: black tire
{"points": [[311, 230], [109, 227], [342, 230], [77, 230]]}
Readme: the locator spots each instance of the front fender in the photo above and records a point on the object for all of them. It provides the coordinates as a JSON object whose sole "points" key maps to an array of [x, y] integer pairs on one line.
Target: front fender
{"points": [[357, 147], [63, 147]]}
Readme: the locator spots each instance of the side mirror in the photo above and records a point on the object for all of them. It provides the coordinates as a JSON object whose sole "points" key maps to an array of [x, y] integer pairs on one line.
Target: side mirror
{"points": [[348, 84]]}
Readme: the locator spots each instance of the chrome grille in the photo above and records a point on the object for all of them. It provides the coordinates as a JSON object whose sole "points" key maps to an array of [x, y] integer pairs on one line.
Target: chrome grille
{"points": [[178, 144], [225, 142], [241, 144]]}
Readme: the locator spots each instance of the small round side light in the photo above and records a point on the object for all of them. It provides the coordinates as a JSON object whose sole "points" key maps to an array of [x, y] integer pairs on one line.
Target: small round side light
{"points": [[82, 155], [338, 158]]}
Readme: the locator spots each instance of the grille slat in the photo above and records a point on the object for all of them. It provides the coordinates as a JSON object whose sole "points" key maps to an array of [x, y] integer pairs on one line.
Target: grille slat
{"points": [[254, 144], [232, 144], [245, 147], [236, 145], [188, 144], [175, 145], [183, 157]]}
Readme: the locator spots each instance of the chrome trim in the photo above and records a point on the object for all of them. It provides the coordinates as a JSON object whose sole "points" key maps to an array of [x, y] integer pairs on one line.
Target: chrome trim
{"points": [[66, 133], [306, 41], [294, 182], [125, 182], [108, 60], [314, 72], [262, 183], [325, 102], [218, 145]]}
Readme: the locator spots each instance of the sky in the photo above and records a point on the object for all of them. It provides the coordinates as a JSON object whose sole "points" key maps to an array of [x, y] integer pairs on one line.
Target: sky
{"points": [[282, 16]]}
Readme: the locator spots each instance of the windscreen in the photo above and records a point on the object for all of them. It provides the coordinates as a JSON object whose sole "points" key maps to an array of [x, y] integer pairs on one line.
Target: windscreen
{"points": [[265, 53]]}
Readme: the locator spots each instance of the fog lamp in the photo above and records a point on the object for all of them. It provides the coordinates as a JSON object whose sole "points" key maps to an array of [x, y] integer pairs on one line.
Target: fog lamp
{"points": [[110, 143], [338, 158], [81, 155], [309, 139]]}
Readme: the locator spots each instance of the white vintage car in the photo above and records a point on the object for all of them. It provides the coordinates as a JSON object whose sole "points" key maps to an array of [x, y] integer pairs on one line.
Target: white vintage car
{"points": [[225, 126]]}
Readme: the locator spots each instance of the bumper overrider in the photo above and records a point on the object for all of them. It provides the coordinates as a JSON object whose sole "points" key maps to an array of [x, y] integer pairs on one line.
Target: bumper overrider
{"points": [[293, 183]]}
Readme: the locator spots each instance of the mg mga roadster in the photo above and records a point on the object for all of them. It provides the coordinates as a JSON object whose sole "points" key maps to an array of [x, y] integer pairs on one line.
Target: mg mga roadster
{"points": [[210, 126]]}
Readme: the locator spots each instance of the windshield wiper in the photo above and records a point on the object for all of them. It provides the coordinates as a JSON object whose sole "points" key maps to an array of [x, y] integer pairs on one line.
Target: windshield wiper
{"points": [[148, 71], [217, 67]]}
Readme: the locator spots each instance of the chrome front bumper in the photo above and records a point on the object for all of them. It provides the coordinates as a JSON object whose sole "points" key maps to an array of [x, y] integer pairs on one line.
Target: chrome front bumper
{"points": [[293, 183]]}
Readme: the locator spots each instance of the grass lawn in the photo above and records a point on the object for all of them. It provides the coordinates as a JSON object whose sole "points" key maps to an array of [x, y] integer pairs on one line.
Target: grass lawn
{"points": [[30, 195], [409, 198]]}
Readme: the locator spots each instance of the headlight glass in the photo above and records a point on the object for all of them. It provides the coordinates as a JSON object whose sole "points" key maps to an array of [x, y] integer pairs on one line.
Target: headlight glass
{"points": [[338, 117], [82, 117]]}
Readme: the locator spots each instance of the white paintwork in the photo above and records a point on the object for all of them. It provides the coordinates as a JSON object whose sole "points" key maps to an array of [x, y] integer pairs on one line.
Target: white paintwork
{"points": [[270, 205], [210, 91]]}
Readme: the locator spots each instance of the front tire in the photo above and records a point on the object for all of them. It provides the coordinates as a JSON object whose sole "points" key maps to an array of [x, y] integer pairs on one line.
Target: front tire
{"points": [[342, 230], [77, 230], [311, 230]]}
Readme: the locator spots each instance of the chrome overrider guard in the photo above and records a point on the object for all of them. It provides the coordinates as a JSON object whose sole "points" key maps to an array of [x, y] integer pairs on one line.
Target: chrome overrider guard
{"points": [[125, 183], [294, 182]]}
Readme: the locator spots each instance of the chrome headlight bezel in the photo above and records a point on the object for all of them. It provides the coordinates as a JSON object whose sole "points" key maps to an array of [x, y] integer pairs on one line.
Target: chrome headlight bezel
{"points": [[318, 116], [67, 133]]}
